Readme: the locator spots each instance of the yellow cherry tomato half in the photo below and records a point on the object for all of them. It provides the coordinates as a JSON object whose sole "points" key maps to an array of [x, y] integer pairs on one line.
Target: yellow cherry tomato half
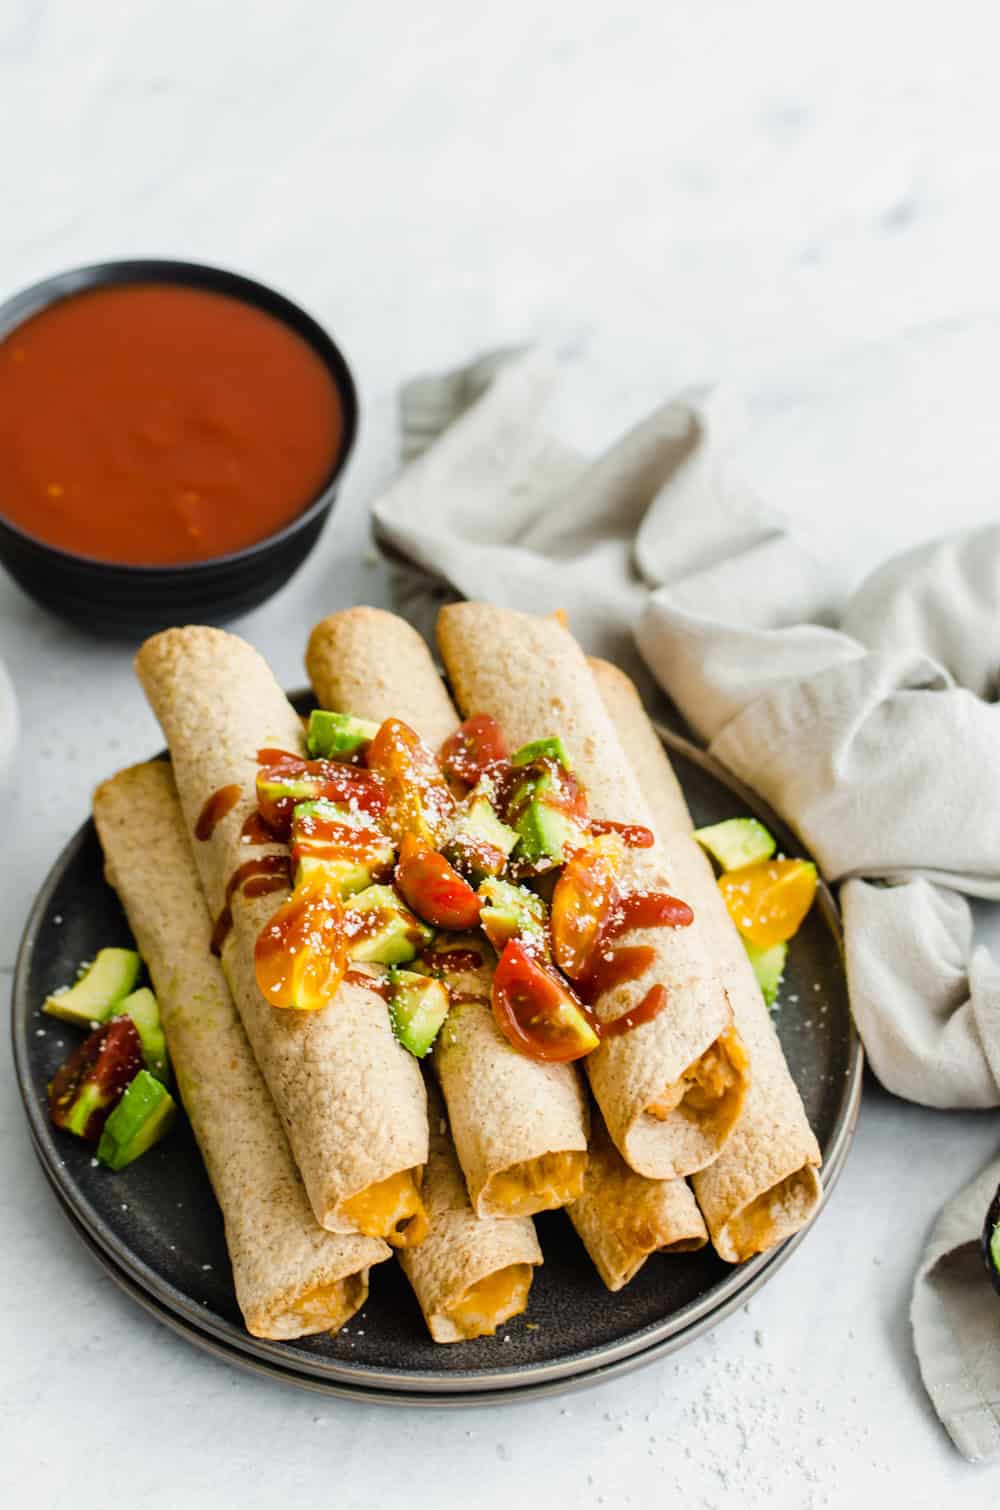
{"points": [[768, 901]]}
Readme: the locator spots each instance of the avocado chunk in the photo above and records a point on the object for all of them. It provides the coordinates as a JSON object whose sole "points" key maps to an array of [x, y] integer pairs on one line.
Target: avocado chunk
{"points": [[418, 1005], [382, 930], [144, 1010], [511, 911], [337, 736], [102, 985], [144, 1114], [546, 831], [736, 842], [339, 843], [769, 967], [542, 749], [480, 844]]}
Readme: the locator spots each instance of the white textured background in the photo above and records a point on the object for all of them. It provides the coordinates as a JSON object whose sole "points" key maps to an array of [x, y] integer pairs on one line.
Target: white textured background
{"points": [[798, 199]]}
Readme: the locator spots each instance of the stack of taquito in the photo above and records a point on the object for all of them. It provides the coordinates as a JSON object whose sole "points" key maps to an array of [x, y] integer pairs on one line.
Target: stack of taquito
{"points": [[291, 1277], [700, 1092]]}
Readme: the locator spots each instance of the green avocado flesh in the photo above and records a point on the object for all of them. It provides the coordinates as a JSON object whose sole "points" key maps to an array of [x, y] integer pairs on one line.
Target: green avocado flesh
{"points": [[337, 736], [351, 872], [90, 1098], [511, 911], [769, 967], [736, 842], [98, 991], [418, 1005], [995, 1248], [545, 832], [389, 933], [144, 1010], [539, 749], [144, 1114], [480, 844]]}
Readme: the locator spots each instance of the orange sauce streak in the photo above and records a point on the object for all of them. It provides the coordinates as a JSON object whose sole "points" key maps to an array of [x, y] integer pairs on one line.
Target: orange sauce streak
{"points": [[216, 807], [651, 1006], [255, 878], [632, 835]]}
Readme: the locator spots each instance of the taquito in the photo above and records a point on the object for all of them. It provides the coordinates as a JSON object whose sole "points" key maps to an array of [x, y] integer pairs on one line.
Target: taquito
{"points": [[519, 1125], [764, 1186], [672, 1088], [470, 1274], [622, 1217], [351, 1099], [291, 1277]]}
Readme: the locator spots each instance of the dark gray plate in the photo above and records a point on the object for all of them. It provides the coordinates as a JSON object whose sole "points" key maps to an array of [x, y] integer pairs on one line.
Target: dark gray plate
{"points": [[159, 1232]]}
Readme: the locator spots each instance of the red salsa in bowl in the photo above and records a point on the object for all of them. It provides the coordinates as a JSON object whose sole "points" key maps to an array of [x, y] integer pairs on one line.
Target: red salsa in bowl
{"points": [[171, 439], [153, 423]]}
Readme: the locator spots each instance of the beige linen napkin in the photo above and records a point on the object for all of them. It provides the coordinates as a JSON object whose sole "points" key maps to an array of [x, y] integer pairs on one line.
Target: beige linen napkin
{"points": [[954, 1315], [878, 739]]}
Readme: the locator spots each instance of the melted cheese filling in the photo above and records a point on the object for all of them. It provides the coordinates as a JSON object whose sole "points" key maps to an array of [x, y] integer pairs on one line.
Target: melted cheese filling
{"points": [[713, 1088], [776, 1211], [543, 1184], [492, 1301], [331, 1304], [391, 1209]]}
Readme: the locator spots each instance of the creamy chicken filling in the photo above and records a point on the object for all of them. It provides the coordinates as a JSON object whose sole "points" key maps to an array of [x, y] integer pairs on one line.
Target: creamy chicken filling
{"points": [[543, 1184], [712, 1089]]}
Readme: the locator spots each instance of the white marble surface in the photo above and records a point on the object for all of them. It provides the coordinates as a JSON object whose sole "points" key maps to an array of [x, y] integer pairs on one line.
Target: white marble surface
{"points": [[800, 200]]}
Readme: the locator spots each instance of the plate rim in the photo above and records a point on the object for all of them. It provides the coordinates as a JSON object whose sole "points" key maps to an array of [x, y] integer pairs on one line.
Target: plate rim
{"points": [[341, 1376]]}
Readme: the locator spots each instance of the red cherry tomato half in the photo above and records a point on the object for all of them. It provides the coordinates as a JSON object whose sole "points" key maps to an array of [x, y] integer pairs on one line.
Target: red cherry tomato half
{"points": [[284, 782], [476, 744], [87, 1087], [418, 796], [582, 905], [434, 890], [537, 1011]]}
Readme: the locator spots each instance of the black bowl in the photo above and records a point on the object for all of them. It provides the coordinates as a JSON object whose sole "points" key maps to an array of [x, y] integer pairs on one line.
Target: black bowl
{"points": [[990, 1226], [134, 601]]}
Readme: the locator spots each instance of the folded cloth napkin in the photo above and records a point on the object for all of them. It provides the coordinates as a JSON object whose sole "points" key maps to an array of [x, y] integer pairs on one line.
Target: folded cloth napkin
{"points": [[954, 1316], [871, 725]]}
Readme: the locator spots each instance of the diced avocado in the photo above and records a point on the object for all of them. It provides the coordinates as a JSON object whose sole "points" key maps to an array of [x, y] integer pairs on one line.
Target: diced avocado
{"points": [[736, 842], [542, 749], [362, 858], [383, 931], [337, 736], [511, 911], [102, 985], [546, 831], [144, 1010], [418, 1005], [144, 1114], [480, 843], [769, 967]]}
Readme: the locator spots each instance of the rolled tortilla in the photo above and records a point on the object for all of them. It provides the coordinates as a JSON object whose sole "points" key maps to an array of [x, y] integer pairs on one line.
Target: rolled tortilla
{"points": [[622, 1217], [351, 1099], [470, 1274], [671, 1089], [520, 1126], [291, 1277], [764, 1186]]}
